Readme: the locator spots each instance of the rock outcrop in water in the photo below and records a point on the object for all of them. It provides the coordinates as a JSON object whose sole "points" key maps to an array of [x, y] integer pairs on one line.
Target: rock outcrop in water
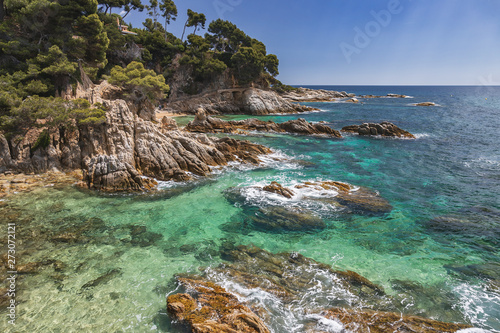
{"points": [[209, 308], [353, 302], [382, 322], [206, 124], [236, 101], [426, 104], [359, 200], [384, 129], [126, 151], [314, 95]]}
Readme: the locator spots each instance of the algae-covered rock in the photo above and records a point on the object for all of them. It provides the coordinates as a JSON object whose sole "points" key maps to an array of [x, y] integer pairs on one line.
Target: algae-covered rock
{"points": [[383, 322], [287, 219], [209, 308]]}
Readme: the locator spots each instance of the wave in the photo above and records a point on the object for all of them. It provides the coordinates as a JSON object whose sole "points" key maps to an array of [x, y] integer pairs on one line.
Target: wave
{"points": [[480, 306], [296, 316]]}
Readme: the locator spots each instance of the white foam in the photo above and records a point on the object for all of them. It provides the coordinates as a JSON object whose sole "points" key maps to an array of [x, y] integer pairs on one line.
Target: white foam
{"points": [[325, 288], [327, 325], [480, 306], [421, 135]]}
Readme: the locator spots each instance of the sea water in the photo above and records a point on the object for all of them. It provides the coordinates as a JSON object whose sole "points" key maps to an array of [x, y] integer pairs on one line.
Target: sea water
{"points": [[437, 250]]}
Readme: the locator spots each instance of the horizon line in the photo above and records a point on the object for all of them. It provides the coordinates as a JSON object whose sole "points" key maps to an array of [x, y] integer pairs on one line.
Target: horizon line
{"points": [[398, 85]]}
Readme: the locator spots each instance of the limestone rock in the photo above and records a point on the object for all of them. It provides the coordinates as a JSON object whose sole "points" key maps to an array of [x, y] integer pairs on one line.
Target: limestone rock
{"points": [[211, 309], [352, 100], [384, 129], [426, 104]]}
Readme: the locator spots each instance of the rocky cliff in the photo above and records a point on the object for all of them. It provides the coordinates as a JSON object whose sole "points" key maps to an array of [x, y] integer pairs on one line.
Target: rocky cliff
{"points": [[236, 101], [125, 152]]}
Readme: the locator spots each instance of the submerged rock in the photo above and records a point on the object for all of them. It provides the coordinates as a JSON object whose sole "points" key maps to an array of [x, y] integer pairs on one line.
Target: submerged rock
{"points": [[287, 219], [382, 322], [290, 275], [105, 278], [209, 308], [206, 124], [384, 129]]}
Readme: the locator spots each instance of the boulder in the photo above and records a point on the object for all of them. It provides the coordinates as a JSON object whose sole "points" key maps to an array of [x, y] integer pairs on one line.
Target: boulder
{"points": [[209, 308], [352, 100], [426, 104], [383, 129], [277, 188], [168, 124]]}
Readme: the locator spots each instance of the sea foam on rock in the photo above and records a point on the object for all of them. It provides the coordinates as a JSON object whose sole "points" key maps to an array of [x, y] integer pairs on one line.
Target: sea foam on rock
{"points": [[306, 196]]}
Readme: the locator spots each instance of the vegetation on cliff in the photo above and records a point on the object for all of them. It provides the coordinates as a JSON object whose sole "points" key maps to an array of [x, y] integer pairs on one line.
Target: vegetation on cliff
{"points": [[43, 43]]}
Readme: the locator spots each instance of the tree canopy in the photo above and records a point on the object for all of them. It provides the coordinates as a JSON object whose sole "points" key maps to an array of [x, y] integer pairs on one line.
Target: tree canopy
{"points": [[42, 43]]}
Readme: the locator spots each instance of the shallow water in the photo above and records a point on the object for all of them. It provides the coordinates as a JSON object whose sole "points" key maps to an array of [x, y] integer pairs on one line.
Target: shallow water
{"points": [[437, 251]]}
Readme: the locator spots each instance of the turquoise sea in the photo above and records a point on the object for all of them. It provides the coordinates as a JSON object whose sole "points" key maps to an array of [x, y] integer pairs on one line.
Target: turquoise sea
{"points": [[437, 251]]}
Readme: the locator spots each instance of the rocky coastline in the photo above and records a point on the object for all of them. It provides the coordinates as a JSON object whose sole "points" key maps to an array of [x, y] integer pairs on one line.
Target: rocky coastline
{"points": [[127, 152], [130, 151]]}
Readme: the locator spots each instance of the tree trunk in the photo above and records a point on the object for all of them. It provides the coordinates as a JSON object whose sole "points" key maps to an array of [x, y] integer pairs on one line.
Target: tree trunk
{"points": [[2, 10], [166, 29], [183, 31]]}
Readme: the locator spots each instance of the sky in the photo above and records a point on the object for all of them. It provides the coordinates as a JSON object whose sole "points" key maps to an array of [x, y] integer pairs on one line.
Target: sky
{"points": [[366, 42]]}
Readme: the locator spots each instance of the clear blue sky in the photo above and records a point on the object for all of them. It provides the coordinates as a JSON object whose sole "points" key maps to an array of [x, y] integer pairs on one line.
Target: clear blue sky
{"points": [[429, 42]]}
